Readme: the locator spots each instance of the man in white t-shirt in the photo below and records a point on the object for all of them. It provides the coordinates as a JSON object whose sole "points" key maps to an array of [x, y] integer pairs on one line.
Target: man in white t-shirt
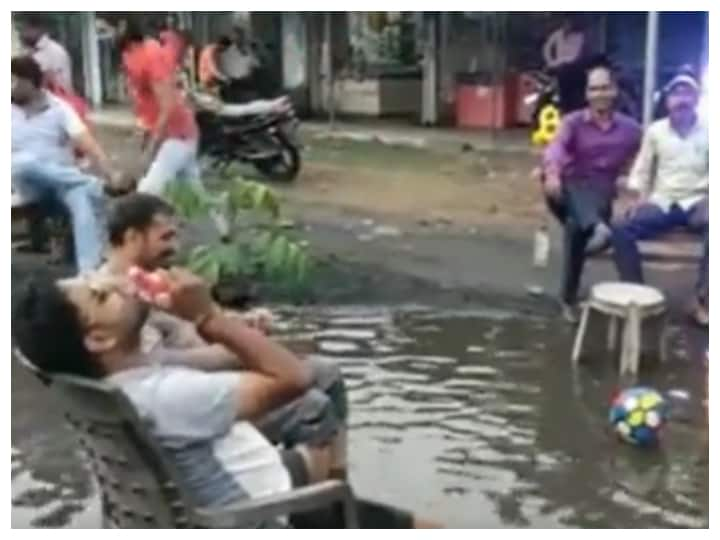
{"points": [[45, 131], [90, 327]]}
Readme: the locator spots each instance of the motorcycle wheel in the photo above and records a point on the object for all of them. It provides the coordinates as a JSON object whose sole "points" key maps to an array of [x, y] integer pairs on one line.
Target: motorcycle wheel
{"points": [[285, 166]]}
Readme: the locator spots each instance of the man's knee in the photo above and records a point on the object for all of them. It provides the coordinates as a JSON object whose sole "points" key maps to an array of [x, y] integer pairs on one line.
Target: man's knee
{"points": [[699, 218], [329, 379], [85, 197], [310, 419]]}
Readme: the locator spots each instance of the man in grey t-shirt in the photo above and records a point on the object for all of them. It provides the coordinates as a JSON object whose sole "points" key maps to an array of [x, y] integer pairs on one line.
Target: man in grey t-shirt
{"points": [[90, 326]]}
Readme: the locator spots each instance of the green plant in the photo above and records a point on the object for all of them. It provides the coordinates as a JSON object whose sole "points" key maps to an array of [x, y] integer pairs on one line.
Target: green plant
{"points": [[255, 242]]}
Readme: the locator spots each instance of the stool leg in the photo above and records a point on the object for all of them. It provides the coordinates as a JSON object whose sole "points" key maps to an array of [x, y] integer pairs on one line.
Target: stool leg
{"points": [[580, 336], [664, 335], [612, 333], [630, 359]]}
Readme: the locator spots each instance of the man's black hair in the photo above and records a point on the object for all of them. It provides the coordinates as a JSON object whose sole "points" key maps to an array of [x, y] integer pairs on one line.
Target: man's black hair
{"points": [[35, 20], [25, 67], [135, 31], [601, 61], [224, 41], [134, 211], [47, 329]]}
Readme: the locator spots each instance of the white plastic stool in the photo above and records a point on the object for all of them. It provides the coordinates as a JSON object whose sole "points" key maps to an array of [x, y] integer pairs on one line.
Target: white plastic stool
{"points": [[629, 302]]}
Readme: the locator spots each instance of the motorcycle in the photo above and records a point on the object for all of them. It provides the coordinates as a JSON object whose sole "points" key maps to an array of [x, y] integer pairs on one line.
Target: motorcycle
{"points": [[261, 133]]}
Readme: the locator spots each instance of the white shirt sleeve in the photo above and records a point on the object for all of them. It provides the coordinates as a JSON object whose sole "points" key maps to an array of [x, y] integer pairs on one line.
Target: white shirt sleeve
{"points": [[73, 124]]}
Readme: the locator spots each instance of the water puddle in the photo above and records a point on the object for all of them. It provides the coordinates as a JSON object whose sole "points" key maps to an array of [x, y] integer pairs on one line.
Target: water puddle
{"points": [[471, 418]]}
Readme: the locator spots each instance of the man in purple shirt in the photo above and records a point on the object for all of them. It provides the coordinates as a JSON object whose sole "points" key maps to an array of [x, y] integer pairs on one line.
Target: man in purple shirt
{"points": [[581, 168]]}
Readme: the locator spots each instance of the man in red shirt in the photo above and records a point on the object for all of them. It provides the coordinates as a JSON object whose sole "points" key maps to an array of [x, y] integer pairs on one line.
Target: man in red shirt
{"points": [[171, 152], [172, 39]]}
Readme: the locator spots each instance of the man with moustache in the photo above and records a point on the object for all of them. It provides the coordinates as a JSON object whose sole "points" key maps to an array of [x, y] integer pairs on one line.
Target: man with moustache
{"points": [[670, 181]]}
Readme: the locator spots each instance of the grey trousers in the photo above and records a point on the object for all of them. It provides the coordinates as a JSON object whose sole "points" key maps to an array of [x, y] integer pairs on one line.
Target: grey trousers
{"points": [[315, 417]]}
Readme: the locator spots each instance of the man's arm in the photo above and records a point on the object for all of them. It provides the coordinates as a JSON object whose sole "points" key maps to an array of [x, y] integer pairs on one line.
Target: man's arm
{"points": [[550, 48], [84, 140], [161, 72], [557, 156], [643, 170], [165, 94], [274, 374], [185, 347]]}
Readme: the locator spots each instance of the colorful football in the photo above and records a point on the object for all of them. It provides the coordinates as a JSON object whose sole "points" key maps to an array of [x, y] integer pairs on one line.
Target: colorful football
{"points": [[638, 414]]}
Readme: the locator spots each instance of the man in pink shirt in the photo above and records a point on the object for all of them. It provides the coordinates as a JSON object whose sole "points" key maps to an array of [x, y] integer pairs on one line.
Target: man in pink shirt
{"points": [[51, 56], [594, 145]]}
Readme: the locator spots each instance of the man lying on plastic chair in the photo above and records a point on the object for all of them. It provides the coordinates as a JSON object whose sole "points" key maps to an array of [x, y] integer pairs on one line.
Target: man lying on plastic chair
{"points": [[90, 326]]}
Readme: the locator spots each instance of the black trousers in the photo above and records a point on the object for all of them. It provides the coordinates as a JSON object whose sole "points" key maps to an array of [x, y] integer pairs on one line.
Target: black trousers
{"points": [[571, 86], [582, 204]]}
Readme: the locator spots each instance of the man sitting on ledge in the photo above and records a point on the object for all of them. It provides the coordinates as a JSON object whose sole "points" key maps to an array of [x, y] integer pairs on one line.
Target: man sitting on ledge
{"points": [[670, 179]]}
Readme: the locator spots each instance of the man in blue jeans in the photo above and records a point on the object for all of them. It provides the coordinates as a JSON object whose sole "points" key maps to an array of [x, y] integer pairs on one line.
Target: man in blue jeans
{"points": [[670, 179], [45, 131]]}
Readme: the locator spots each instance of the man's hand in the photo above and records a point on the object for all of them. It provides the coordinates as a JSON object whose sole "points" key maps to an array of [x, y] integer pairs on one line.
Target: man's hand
{"points": [[120, 182], [147, 157], [553, 187], [259, 318], [637, 202], [185, 295]]}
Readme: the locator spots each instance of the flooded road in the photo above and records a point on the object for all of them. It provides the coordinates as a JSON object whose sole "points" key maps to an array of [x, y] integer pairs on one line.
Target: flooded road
{"points": [[472, 418]]}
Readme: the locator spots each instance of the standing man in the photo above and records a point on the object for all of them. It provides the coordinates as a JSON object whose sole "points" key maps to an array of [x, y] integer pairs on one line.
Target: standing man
{"points": [[171, 151], [670, 180], [172, 39], [563, 52], [52, 57], [581, 168]]}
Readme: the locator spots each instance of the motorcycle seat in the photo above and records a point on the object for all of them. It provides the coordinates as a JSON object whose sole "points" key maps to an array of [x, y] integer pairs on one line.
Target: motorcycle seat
{"points": [[238, 110], [257, 107]]}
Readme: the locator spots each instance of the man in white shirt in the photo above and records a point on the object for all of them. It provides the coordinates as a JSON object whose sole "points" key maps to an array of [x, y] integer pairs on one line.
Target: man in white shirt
{"points": [[238, 60], [239, 65], [52, 57], [44, 133], [670, 179]]}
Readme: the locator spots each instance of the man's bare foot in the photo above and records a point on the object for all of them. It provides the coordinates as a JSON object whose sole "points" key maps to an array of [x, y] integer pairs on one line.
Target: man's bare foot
{"points": [[699, 313]]}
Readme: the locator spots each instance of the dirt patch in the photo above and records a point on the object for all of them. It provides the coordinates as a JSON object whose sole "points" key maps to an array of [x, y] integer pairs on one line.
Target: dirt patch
{"points": [[467, 188], [404, 184]]}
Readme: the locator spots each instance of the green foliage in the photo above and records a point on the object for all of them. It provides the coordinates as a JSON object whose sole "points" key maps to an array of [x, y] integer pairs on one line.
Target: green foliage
{"points": [[258, 245]]}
